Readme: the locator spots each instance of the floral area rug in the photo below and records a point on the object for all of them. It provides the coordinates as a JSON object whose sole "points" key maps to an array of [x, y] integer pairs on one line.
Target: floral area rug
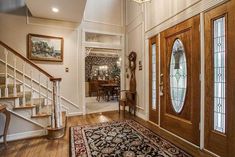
{"points": [[120, 139]]}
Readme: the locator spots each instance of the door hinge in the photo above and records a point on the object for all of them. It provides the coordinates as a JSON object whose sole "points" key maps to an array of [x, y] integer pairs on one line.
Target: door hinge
{"points": [[200, 126], [200, 77]]}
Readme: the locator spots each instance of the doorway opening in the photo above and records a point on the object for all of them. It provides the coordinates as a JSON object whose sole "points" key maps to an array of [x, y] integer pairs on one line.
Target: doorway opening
{"points": [[102, 79]]}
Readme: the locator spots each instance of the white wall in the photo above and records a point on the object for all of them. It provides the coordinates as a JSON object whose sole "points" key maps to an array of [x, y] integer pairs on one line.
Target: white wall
{"points": [[14, 30], [102, 15]]}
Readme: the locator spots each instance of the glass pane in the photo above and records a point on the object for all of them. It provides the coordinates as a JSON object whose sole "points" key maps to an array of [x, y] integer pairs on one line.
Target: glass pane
{"points": [[178, 76], [219, 74], [154, 74]]}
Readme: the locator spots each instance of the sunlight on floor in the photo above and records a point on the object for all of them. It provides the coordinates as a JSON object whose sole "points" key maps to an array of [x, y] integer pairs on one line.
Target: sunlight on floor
{"points": [[93, 106]]}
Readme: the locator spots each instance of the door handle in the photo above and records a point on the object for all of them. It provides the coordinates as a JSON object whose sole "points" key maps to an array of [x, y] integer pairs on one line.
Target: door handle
{"points": [[161, 85]]}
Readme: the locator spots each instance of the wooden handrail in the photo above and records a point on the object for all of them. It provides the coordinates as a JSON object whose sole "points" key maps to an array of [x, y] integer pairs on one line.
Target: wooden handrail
{"points": [[26, 60]]}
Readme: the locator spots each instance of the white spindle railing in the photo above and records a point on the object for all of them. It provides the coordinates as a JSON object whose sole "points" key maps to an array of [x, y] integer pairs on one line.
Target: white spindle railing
{"points": [[39, 94], [47, 92], [31, 87], [14, 89], [44, 90], [6, 72], [24, 102], [59, 104]]}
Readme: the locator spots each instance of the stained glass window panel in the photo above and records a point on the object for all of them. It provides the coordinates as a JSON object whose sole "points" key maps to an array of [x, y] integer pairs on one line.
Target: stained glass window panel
{"points": [[154, 81], [219, 75], [178, 76]]}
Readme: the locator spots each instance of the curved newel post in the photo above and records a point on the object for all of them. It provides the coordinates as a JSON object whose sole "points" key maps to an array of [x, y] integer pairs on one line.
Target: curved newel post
{"points": [[57, 129]]}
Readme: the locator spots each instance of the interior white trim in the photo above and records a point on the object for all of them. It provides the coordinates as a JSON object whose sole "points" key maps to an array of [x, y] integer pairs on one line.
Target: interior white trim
{"points": [[183, 15], [101, 45], [71, 114], [27, 119], [83, 55], [142, 116], [135, 17], [202, 78], [169, 18], [24, 135], [50, 22]]}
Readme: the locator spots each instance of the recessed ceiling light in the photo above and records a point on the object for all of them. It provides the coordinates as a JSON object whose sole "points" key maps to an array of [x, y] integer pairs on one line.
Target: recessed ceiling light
{"points": [[55, 10]]}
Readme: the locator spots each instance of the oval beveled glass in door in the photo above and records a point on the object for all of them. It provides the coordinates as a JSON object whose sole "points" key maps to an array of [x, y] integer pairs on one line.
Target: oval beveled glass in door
{"points": [[178, 76]]}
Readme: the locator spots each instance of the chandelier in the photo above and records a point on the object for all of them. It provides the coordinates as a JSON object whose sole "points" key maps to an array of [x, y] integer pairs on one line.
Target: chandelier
{"points": [[141, 1]]}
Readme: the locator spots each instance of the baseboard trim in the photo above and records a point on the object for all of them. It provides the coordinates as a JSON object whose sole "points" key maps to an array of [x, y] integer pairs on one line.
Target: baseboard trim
{"points": [[71, 114], [142, 116], [24, 135]]}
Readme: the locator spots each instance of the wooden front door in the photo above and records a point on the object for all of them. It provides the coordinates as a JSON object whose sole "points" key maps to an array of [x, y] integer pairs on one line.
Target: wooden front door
{"points": [[220, 80], [153, 79], [180, 82]]}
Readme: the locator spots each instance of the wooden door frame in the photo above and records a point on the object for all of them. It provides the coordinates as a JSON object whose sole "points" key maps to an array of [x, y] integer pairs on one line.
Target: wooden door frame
{"points": [[154, 115], [219, 143]]}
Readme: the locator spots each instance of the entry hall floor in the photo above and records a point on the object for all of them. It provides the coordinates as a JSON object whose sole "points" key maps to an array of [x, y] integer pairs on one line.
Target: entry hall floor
{"points": [[42, 147]]}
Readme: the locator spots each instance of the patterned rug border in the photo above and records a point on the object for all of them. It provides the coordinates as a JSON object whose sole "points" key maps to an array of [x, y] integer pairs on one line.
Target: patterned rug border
{"points": [[103, 124]]}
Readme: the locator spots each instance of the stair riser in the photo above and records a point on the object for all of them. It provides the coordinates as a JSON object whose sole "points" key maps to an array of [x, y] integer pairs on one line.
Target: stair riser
{"points": [[10, 90], [38, 102], [45, 109], [27, 99], [2, 80]]}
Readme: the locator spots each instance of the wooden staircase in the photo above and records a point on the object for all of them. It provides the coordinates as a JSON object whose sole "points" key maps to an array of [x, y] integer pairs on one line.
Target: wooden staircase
{"points": [[29, 91]]}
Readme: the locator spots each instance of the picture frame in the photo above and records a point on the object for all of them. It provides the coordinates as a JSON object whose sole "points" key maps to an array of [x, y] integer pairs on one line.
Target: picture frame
{"points": [[45, 48]]}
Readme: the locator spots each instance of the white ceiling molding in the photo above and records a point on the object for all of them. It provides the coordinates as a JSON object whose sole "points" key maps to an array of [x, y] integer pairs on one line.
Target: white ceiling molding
{"points": [[141, 1], [102, 52], [67, 11]]}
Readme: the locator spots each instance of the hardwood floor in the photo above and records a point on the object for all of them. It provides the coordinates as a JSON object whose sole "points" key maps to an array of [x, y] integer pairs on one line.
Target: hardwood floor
{"points": [[42, 147]]}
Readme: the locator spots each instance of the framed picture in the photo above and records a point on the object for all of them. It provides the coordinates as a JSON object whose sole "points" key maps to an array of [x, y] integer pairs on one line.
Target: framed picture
{"points": [[45, 48]]}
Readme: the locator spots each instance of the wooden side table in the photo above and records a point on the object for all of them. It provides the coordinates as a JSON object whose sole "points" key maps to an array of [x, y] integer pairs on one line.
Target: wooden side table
{"points": [[4, 110]]}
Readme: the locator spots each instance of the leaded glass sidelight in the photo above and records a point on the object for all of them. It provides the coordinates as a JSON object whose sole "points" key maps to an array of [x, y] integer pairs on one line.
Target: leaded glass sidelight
{"points": [[154, 81], [219, 74], [178, 76]]}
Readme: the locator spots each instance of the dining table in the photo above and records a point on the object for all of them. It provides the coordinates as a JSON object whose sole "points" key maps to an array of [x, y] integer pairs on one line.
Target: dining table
{"points": [[109, 89]]}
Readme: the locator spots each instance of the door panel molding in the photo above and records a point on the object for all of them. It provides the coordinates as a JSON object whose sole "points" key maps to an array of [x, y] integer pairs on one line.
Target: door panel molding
{"points": [[187, 121]]}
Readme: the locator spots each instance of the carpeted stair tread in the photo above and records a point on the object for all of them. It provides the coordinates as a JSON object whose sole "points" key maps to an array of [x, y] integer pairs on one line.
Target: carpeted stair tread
{"points": [[27, 106], [41, 115]]}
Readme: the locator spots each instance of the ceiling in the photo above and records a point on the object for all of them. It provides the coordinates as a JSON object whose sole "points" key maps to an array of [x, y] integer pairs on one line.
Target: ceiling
{"points": [[71, 10]]}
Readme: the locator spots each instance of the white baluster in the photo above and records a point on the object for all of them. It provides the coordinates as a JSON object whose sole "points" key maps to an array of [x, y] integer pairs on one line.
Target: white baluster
{"points": [[39, 90], [56, 105], [23, 84], [15, 90], [59, 105], [34, 111], [6, 73], [52, 120], [47, 92], [31, 86]]}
